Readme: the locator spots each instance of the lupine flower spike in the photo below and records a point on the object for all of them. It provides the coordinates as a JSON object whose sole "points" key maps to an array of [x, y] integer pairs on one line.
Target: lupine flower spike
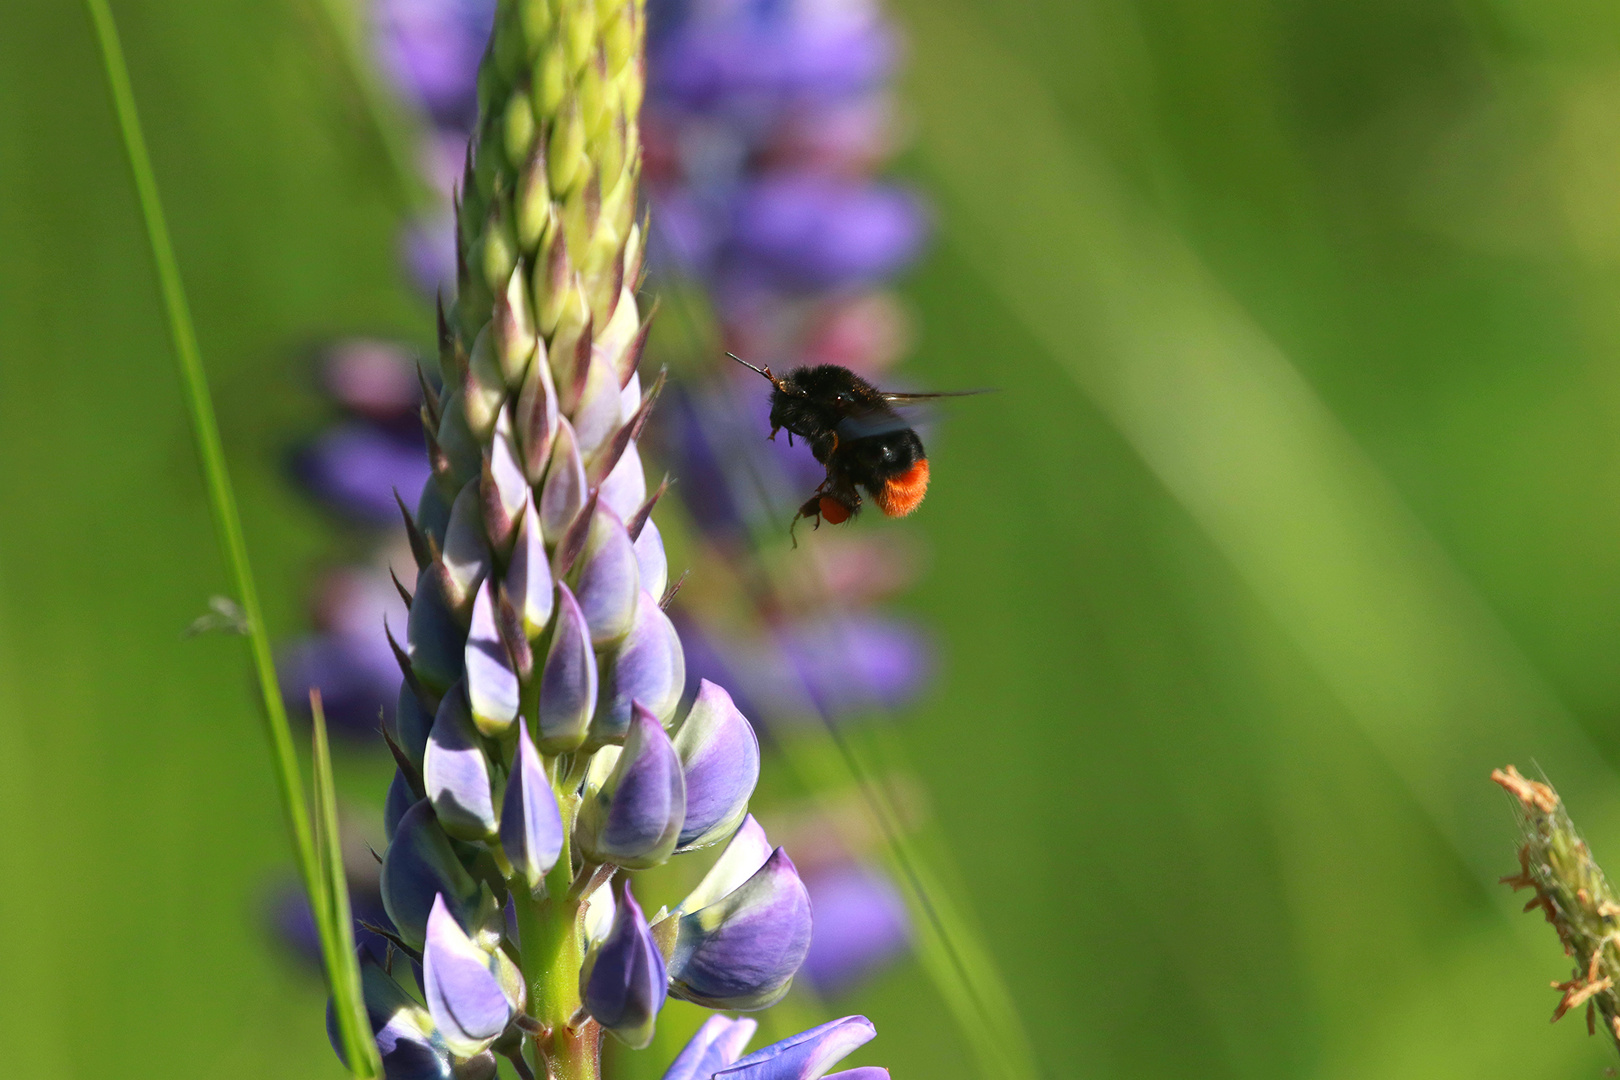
{"points": [[541, 676]]}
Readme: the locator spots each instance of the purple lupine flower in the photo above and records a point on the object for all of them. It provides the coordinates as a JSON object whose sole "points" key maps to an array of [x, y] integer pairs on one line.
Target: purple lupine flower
{"points": [[635, 799], [719, 755], [623, 983], [531, 825], [742, 950], [860, 925], [469, 993], [408, 1041], [714, 1052]]}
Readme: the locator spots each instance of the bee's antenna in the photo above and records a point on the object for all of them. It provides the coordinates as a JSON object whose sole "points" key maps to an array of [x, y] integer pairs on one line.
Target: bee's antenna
{"points": [[765, 371]]}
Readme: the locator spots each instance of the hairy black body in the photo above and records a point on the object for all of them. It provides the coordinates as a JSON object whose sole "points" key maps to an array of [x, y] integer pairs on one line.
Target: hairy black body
{"points": [[855, 432]]}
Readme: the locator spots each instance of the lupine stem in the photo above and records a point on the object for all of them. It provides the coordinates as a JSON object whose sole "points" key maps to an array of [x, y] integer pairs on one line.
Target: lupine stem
{"points": [[227, 520]]}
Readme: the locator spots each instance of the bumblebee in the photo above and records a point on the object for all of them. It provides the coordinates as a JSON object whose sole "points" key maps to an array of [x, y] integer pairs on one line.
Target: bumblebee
{"points": [[857, 434]]}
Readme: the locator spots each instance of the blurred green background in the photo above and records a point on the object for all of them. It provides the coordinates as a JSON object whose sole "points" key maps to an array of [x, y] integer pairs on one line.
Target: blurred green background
{"points": [[1298, 512]]}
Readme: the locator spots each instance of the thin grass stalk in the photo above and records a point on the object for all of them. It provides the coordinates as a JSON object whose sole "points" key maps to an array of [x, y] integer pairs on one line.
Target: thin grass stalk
{"points": [[340, 965]]}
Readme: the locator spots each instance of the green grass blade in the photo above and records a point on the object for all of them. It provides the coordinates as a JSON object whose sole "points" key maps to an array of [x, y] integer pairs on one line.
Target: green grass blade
{"points": [[342, 967], [221, 497]]}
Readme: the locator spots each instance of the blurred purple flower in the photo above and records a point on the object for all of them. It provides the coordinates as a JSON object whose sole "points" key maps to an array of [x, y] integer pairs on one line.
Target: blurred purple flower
{"points": [[738, 56], [356, 467], [812, 232], [860, 925], [431, 48], [842, 664]]}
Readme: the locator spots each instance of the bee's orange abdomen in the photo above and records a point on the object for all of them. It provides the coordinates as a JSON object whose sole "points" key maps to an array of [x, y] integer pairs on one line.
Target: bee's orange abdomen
{"points": [[833, 511], [901, 495]]}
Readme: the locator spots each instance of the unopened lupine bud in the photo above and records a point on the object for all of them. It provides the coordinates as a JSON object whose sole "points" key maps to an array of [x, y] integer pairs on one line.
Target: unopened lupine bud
{"points": [[742, 951], [466, 551], [419, 865], [464, 991], [531, 825], [504, 488], [484, 389], [632, 816], [609, 580], [408, 1041], [626, 486], [457, 772], [651, 561], [648, 669], [623, 983], [410, 724], [492, 684], [513, 328], [807, 1055], [564, 492], [536, 418], [455, 437], [568, 680], [528, 575], [598, 409], [719, 755], [400, 799], [436, 639], [717, 1044]]}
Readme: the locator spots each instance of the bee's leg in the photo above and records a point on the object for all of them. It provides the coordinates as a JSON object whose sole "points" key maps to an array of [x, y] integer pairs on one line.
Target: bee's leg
{"points": [[790, 438]]}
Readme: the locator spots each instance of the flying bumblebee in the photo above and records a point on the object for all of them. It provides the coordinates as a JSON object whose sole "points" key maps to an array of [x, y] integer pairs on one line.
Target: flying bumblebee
{"points": [[855, 432]]}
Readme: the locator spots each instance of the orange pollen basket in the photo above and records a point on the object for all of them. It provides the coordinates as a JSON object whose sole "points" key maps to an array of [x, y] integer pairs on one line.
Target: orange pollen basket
{"points": [[901, 496], [835, 512]]}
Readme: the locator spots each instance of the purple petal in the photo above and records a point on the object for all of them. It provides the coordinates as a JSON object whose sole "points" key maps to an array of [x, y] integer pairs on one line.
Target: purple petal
{"points": [[807, 1055], [718, 1043], [357, 467], [456, 771], [568, 680], [464, 997], [719, 755], [419, 865], [596, 416], [742, 951], [531, 825], [865, 1072], [634, 817], [528, 576], [648, 669], [624, 983], [492, 684], [860, 925], [609, 582]]}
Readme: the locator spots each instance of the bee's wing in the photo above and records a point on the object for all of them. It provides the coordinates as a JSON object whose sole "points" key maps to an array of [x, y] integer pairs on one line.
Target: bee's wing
{"points": [[917, 399], [866, 425]]}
